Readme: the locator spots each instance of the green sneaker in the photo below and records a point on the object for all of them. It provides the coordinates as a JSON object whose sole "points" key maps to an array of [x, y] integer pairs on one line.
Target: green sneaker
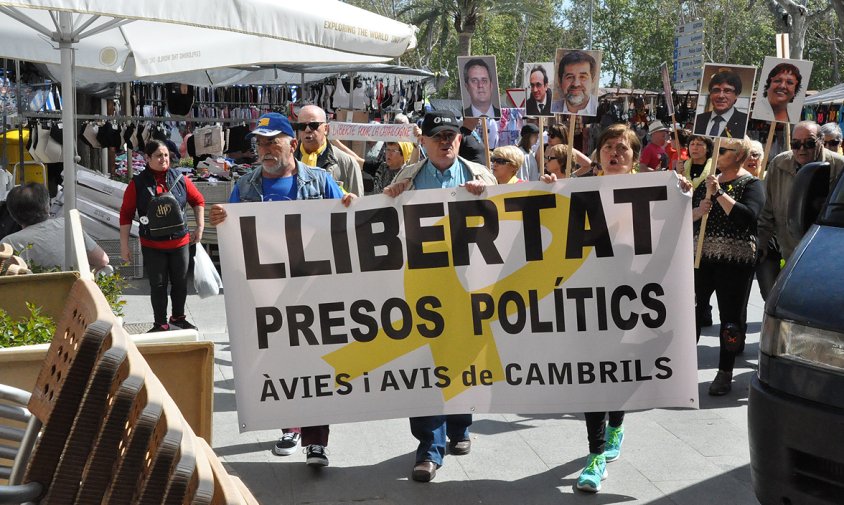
{"points": [[591, 476], [614, 438]]}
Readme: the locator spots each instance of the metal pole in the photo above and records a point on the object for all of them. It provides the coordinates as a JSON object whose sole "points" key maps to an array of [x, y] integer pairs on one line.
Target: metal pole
{"points": [[5, 159], [19, 109], [591, 7], [68, 137]]}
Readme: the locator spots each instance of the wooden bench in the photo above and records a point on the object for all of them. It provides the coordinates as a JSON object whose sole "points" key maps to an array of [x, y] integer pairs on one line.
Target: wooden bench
{"points": [[108, 431]]}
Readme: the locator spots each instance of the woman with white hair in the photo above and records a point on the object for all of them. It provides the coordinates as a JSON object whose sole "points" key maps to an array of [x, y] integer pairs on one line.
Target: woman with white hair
{"points": [[832, 137], [753, 163]]}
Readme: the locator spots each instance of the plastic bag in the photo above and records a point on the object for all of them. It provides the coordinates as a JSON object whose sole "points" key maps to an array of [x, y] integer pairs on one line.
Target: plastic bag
{"points": [[206, 280]]}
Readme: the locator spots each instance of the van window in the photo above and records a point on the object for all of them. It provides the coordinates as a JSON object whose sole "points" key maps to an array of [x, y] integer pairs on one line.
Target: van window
{"points": [[833, 214]]}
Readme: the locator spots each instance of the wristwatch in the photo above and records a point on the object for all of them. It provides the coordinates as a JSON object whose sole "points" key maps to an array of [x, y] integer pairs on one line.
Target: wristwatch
{"points": [[716, 194]]}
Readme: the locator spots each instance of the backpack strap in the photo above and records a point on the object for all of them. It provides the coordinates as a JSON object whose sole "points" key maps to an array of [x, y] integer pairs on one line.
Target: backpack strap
{"points": [[152, 191]]}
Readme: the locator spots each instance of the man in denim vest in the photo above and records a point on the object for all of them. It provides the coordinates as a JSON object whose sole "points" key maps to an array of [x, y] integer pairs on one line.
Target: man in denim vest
{"points": [[282, 177]]}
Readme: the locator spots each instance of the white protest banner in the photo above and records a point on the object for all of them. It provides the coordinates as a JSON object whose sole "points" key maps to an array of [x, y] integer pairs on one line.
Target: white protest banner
{"points": [[535, 298], [372, 131]]}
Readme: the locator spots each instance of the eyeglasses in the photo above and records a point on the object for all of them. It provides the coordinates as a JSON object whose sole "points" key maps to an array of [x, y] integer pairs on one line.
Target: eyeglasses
{"points": [[723, 150], [754, 156], [268, 142], [500, 161], [832, 144], [313, 125], [444, 137], [725, 91], [808, 144], [392, 150]]}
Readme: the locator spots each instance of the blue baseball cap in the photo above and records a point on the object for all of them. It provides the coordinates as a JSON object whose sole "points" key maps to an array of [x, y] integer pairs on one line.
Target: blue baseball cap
{"points": [[272, 124]]}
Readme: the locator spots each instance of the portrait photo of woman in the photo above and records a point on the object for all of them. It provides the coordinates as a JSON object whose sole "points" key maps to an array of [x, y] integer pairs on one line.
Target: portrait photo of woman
{"points": [[782, 86]]}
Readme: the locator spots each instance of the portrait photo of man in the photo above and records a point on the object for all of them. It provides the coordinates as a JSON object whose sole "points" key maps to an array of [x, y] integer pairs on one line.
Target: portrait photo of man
{"points": [[782, 84], [724, 112], [578, 74], [538, 88], [479, 86]]}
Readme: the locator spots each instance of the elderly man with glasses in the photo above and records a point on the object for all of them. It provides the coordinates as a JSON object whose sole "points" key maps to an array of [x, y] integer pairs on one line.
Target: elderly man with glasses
{"points": [[442, 168], [775, 242], [314, 150], [280, 177]]}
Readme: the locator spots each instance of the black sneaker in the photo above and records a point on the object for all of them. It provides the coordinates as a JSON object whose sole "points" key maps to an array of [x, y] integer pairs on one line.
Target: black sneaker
{"points": [[316, 456], [159, 327], [287, 444], [182, 323], [722, 384]]}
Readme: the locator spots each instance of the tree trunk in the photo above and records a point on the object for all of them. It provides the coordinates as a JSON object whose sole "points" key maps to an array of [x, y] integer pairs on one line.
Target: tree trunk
{"points": [[838, 6], [464, 43], [519, 49]]}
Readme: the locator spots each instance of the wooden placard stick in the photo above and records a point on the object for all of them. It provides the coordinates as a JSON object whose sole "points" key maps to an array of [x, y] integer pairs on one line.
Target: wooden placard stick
{"points": [[702, 229], [485, 135], [787, 145], [767, 153], [572, 122], [541, 161]]}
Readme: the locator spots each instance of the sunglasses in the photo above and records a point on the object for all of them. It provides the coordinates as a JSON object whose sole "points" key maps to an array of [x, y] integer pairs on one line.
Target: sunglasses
{"points": [[444, 137], [313, 125], [500, 161], [808, 144], [723, 150], [832, 143], [549, 158]]}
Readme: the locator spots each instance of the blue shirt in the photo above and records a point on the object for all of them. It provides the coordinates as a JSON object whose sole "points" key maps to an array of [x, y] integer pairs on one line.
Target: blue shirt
{"points": [[284, 188], [429, 177]]}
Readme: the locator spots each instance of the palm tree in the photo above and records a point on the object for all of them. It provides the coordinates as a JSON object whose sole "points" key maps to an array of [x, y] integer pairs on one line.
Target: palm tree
{"points": [[436, 17]]}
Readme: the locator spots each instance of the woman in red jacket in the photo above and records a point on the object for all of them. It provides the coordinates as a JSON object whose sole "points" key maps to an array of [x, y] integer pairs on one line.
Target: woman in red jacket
{"points": [[159, 195]]}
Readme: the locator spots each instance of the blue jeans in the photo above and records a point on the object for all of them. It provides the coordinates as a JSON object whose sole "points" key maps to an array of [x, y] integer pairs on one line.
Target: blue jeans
{"points": [[431, 431]]}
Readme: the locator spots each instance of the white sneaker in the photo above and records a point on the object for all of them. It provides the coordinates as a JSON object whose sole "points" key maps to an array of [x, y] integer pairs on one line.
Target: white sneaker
{"points": [[287, 444]]}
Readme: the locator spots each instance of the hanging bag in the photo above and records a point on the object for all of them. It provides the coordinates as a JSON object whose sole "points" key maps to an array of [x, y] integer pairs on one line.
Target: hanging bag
{"points": [[206, 280], [164, 215]]}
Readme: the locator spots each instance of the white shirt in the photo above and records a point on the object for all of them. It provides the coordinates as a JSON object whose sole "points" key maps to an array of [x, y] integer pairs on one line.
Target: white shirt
{"points": [[528, 170], [722, 124], [479, 113]]}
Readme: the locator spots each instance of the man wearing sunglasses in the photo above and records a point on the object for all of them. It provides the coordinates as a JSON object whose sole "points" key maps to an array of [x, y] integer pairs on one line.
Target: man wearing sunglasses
{"points": [[443, 168], [314, 150], [806, 147]]}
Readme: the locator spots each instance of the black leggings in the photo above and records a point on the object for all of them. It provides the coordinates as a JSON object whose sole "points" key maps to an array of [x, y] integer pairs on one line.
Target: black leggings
{"points": [[731, 285], [165, 266], [596, 428]]}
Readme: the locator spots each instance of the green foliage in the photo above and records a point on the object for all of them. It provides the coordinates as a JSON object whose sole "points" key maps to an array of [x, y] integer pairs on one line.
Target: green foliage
{"points": [[636, 36], [34, 329], [112, 287]]}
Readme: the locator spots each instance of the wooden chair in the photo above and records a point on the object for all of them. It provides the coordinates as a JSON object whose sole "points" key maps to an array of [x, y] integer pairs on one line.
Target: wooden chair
{"points": [[109, 431]]}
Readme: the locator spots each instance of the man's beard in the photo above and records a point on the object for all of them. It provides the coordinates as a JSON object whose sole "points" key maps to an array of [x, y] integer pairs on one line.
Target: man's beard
{"points": [[576, 98], [276, 168]]}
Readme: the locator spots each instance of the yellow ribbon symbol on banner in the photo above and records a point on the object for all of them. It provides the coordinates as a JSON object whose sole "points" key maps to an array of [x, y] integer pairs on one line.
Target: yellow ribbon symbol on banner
{"points": [[458, 348]]}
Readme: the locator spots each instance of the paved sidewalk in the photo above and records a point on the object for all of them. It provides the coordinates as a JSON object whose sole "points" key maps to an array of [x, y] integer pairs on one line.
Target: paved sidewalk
{"points": [[683, 457]]}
